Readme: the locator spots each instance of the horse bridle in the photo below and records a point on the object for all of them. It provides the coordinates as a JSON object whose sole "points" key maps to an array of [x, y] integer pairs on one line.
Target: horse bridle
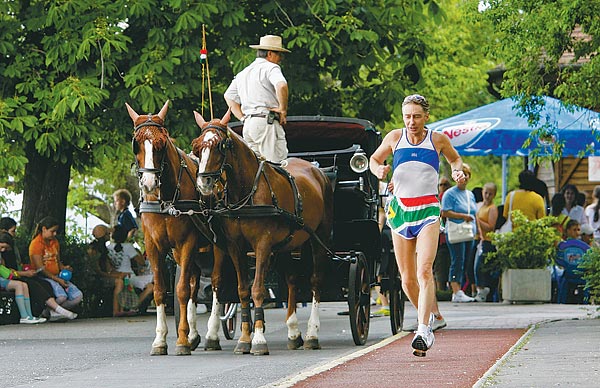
{"points": [[224, 144], [141, 170]]}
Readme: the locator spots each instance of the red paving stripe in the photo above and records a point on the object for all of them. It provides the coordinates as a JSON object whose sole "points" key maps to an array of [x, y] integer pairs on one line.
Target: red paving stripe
{"points": [[458, 359]]}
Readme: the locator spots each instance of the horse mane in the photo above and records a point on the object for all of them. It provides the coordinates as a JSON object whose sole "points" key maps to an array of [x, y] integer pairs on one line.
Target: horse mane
{"points": [[157, 135]]}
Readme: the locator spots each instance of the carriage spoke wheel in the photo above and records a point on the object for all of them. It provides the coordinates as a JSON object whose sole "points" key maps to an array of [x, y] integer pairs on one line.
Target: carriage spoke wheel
{"points": [[396, 298], [228, 317], [359, 299]]}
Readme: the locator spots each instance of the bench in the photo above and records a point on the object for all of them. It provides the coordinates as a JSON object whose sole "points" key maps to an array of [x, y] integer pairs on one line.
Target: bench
{"points": [[9, 312]]}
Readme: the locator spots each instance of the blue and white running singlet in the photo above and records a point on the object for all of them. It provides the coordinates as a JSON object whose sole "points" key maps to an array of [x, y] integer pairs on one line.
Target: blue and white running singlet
{"points": [[415, 203]]}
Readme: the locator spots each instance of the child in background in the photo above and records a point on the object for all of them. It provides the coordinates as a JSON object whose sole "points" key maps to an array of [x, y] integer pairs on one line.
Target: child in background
{"points": [[9, 281], [121, 254], [573, 230], [587, 236], [122, 199]]}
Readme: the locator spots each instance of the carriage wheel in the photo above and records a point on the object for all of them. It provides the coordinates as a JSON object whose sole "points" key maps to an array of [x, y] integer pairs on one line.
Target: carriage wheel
{"points": [[359, 299], [396, 298], [228, 316]]}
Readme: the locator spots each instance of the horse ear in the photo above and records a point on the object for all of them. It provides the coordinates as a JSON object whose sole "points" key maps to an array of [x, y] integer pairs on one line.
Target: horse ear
{"points": [[199, 119], [226, 117], [163, 111], [134, 116]]}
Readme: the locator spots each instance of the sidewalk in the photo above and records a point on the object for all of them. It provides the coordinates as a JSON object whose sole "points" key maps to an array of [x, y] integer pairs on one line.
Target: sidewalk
{"points": [[484, 345]]}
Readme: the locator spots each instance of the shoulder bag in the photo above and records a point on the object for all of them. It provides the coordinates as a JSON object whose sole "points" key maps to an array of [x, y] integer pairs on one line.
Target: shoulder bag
{"points": [[461, 232], [507, 226]]}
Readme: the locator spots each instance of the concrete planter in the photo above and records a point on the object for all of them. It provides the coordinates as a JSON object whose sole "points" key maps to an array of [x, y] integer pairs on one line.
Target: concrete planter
{"points": [[526, 285]]}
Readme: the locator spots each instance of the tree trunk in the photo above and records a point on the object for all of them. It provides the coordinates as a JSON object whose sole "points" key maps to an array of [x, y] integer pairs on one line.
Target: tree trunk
{"points": [[45, 189]]}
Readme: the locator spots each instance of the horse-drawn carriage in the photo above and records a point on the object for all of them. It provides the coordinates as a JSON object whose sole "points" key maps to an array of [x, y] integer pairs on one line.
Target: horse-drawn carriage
{"points": [[323, 203]]}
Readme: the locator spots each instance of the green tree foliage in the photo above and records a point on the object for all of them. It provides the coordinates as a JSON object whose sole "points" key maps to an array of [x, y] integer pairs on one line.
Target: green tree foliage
{"points": [[69, 66], [531, 39]]}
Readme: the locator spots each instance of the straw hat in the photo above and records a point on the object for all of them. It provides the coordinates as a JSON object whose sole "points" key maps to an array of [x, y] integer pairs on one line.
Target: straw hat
{"points": [[271, 43]]}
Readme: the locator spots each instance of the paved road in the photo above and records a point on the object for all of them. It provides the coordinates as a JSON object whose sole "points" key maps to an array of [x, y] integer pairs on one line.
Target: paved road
{"points": [[113, 353]]}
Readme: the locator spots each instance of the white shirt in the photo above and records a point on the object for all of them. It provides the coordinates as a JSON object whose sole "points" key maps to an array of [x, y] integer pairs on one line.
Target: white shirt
{"points": [[589, 212], [122, 260], [254, 87], [577, 214]]}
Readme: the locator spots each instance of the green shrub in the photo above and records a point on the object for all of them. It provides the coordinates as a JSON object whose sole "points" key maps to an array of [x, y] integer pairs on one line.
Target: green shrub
{"points": [[590, 269], [531, 244]]}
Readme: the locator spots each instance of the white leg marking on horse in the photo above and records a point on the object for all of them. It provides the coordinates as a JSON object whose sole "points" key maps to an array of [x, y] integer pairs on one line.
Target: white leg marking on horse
{"points": [[161, 327], [314, 323], [292, 324], [147, 177], [191, 318], [259, 337], [213, 320]]}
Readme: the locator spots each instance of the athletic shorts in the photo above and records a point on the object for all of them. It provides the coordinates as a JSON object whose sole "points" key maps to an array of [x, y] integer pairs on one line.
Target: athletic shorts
{"points": [[408, 216]]}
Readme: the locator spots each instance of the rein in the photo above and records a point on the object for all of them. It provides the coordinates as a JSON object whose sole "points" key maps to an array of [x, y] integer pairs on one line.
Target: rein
{"points": [[245, 207]]}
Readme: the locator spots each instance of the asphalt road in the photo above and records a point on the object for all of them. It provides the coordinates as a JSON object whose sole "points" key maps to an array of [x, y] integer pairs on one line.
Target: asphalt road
{"points": [[115, 352]]}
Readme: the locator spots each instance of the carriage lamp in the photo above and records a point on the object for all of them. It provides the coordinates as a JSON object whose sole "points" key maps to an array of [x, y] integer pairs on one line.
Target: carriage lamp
{"points": [[359, 162]]}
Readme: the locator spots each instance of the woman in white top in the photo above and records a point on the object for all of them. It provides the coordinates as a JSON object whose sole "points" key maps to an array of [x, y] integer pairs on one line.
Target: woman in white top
{"points": [[592, 212], [121, 254], [572, 209]]}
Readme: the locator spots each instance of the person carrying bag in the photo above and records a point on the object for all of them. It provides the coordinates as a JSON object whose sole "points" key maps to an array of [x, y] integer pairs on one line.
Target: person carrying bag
{"points": [[460, 232]]}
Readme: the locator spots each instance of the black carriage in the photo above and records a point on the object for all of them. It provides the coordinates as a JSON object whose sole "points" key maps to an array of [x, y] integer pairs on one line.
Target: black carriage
{"points": [[341, 147]]}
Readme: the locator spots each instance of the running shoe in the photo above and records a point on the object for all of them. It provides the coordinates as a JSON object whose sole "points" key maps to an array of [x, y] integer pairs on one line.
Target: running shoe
{"points": [[436, 322], [482, 294], [383, 312], [423, 342], [32, 320], [461, 297]]}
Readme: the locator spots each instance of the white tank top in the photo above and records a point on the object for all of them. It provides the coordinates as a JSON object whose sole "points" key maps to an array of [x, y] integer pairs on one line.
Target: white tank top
{"points": [[415, 167]]}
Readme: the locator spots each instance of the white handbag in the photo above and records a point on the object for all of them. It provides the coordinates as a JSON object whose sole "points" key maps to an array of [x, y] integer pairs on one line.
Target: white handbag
{"points": [[460, 232]]}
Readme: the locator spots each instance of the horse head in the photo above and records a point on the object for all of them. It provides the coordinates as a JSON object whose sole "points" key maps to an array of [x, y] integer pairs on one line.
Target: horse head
{"points": [[149, 142], [211, 148]]}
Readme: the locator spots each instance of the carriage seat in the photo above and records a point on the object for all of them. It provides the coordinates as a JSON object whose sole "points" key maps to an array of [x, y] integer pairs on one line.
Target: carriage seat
{"points": [[331, 173]]}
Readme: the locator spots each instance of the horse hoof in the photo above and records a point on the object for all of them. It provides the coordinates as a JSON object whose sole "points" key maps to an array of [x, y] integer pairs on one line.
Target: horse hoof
{"points": [[195, 342], [312, 344], [259, 350], [293, 344], [212, 344], [181, 350], [242, 348], [159, 351]]}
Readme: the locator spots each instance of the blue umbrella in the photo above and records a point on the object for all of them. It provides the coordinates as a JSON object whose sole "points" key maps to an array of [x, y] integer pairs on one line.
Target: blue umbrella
{"points": [[497, 129]]}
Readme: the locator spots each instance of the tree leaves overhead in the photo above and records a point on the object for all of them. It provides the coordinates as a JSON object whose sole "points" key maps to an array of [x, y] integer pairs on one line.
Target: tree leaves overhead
{"points": [[69, 66]]}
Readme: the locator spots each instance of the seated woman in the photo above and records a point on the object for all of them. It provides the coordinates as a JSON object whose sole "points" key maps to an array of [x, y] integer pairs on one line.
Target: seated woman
{"points": [[40, 293], [44, 253], [121, 254]]}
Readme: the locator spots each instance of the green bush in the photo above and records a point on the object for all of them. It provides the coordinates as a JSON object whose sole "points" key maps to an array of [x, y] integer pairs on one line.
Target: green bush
{"points": [[590, 269], [531, 244]]}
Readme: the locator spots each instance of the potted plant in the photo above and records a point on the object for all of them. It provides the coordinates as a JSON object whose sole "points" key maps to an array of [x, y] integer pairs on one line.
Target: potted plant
{"points": [[590, 268], [523, 257]]}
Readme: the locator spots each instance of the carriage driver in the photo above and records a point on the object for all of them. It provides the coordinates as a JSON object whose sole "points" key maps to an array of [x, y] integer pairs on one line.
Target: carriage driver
{"points": [[258, 96]]}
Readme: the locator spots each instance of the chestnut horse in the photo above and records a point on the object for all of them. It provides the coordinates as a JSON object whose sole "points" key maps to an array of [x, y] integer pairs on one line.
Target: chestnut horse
{"points": [[259, 207], [167, 181]]}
